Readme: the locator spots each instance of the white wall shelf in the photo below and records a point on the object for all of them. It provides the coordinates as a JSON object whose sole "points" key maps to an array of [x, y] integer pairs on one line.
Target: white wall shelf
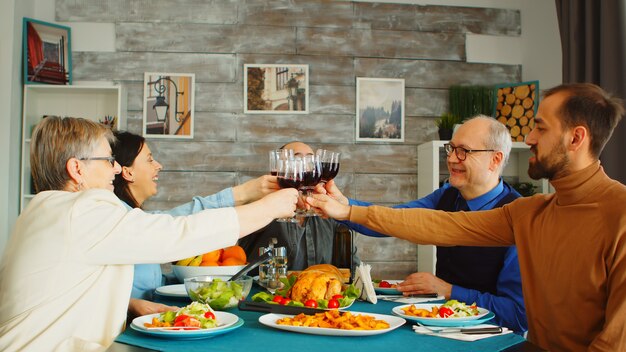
{"points": [[432, 170], [90, 102]]}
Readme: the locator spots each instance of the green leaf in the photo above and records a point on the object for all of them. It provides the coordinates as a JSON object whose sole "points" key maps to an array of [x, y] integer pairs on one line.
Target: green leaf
{"points": [[263, 297]]}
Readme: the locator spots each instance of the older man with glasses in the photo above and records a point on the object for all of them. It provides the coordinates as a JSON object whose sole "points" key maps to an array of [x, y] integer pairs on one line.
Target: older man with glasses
{"points": [[489, 276]]}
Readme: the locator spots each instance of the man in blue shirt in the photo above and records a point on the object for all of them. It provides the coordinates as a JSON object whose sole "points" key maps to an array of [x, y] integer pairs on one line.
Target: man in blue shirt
{"points": [[489, 276]]}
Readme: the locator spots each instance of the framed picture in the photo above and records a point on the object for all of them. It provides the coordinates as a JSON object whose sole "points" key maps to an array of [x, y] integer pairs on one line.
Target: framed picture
{"points": [[380, 109], [168, 105], [515, 105], [47, 52], [276, 89]]}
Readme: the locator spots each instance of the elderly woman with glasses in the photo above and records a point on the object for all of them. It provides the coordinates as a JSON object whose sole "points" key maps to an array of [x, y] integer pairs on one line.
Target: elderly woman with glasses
{"points": [[67, 272], [137, 182]]}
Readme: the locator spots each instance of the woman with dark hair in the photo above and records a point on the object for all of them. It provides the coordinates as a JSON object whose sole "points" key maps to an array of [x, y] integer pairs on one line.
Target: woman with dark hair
{"points": [[137, 182]]}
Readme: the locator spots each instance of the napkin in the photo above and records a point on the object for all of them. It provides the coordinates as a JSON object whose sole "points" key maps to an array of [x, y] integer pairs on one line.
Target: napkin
{"points": [[432, 331], [363, 281]]}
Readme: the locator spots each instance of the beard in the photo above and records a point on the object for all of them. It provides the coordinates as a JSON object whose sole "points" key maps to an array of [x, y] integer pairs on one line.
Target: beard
{"points": [[550, 166]]}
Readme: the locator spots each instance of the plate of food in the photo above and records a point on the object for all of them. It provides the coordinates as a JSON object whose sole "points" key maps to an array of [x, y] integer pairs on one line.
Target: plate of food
{"points": [[451, 313], [195, 321], [172, 291], [334, 323], [319, 286], [386, 287]]}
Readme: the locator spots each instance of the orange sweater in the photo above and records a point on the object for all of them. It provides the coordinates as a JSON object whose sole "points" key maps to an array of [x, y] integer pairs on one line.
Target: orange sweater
{"points": [[572, 254]]}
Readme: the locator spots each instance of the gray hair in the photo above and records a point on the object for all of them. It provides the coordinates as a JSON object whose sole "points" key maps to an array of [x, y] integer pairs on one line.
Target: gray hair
{"points": [[498, 138], [56, 140]]}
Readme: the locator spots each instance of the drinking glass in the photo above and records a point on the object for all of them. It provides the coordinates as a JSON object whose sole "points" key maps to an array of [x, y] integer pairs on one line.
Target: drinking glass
{"points": [[276, 158], [330, 164], [290, 174], [311, 177]]}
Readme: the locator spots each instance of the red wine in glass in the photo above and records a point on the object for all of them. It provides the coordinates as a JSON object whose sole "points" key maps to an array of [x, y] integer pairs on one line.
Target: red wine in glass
{"points": [[284, 182], [274, 173], [329, 171]]}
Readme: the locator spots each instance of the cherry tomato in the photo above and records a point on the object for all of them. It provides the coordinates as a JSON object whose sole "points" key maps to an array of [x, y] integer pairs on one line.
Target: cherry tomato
{"points": [[284, 301], [277, 299], [384, 284], [311, 303], [445, 312], [337, 297], [333, 303], [209, 315]]}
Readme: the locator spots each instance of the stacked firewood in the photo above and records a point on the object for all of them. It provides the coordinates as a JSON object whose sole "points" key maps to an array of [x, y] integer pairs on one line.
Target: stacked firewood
{"points": [[516, 109]]}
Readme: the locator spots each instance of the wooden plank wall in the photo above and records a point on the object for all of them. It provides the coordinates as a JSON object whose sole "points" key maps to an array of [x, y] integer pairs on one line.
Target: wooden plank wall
{"points": [[339, 40]]}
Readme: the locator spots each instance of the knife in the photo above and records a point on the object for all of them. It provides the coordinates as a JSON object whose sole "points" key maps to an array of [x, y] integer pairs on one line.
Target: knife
{"points": [[475, 331], [265, 307]]}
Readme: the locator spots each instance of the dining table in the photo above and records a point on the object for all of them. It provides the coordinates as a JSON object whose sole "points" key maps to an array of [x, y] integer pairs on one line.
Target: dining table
{"points": [[254, 336]]}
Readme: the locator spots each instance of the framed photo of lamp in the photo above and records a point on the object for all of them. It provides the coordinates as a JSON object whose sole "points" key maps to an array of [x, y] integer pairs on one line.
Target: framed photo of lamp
{"points": [[276, 89], [168, 107], [515, 105], [380, 109], [46, 53]]}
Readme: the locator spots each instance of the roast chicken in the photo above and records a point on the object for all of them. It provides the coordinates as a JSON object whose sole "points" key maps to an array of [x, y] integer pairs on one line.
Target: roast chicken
{"points": [[321, 281]]}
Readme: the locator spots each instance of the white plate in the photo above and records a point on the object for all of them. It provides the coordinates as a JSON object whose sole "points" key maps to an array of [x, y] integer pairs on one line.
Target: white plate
{"points": [[172, 291], [387, 290], [271, 318], [483, 316], [227, 322]]}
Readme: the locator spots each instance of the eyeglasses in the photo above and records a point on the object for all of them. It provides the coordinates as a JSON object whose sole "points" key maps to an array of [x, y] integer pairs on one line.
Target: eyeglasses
{"points": [[110, 159], [461, 153]]}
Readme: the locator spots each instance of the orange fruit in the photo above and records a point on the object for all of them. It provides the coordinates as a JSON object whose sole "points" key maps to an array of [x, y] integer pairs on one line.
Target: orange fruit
{"points": [[213, 256], [234, 252], [232, 261], [209, 263]]}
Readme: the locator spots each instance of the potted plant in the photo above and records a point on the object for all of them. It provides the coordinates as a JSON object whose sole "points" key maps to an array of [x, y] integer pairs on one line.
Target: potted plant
{"points": [[445, 123]]}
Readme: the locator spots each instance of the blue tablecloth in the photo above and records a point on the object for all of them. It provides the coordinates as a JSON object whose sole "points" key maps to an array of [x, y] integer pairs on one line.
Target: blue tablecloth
{"points": [[253, 336]]}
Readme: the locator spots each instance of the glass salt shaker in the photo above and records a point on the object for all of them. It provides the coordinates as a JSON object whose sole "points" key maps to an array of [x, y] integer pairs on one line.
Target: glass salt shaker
{"points": [[263, 268]]}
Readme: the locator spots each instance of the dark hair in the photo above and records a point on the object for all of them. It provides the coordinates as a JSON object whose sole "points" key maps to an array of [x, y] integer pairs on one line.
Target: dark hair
{"points": [[589, 105], [126, 150]]}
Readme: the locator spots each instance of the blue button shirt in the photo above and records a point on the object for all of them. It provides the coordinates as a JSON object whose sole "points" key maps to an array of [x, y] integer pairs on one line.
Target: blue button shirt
{"points": [[508, 303]]}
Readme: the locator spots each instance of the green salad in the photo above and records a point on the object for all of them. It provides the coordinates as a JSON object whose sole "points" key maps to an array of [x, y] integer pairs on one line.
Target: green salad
{"points": [[218, 294]]}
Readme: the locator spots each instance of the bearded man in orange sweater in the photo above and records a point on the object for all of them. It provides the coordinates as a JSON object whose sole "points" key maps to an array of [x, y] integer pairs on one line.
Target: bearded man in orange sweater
{"points": [[571, 244]]}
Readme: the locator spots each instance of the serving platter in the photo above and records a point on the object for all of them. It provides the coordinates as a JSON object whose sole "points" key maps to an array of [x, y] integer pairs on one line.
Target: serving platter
{"points": [[271, 318]]}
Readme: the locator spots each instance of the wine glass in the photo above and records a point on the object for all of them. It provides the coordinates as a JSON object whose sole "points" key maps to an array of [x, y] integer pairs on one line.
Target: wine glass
{"points": [[312, 175], [276, 158], [330, 164], [290, 175]]}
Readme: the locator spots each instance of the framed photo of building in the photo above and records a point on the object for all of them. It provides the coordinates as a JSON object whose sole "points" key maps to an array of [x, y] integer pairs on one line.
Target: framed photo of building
{"points": [[276, 89], [168, 107], [47, 52], [380, 109]]}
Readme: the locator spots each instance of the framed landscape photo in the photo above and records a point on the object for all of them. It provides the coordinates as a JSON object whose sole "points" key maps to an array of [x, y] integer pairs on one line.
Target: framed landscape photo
{"points": [[276, 89], [47, 52], [168, 105], [380, 109]]}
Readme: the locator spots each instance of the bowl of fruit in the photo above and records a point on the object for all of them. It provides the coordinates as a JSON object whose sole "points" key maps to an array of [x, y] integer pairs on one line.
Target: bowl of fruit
{"points": [[218, 291], [221, 262]]}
